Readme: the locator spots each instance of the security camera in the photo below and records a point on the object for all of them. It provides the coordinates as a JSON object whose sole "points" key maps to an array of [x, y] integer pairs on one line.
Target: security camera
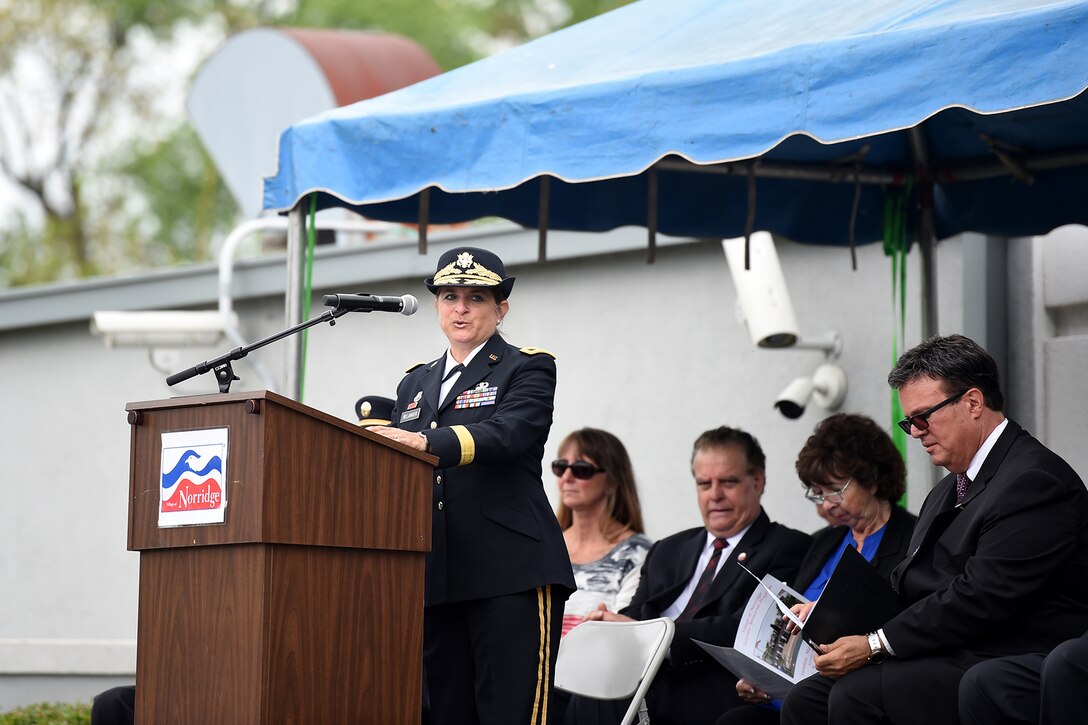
{"points": [[170, 328], [764, 299], [761, 291], [792, 401], [827, 387]]}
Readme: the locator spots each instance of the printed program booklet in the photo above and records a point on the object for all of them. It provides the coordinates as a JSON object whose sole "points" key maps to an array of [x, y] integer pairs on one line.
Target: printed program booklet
{"points": [[855, 600], [763, 653]]}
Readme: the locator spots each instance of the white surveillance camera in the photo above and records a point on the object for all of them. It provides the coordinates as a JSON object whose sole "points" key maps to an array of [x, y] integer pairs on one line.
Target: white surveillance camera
{"points": [[155, 329], [827, 387], [792, 401], [764, 299], [761, 291]]}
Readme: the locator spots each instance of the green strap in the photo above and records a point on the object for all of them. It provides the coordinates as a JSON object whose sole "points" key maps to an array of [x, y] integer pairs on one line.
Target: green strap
{"points": [[307, 292], [896, 245]]}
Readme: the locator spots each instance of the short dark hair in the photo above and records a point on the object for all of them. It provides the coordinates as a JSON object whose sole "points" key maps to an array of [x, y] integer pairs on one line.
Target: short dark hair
{"points": [[958, 362], [724, 436], [847, 445], [608, 452]]}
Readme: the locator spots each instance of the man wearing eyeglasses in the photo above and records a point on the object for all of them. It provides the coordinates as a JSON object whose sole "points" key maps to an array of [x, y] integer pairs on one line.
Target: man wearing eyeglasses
{"points": [[998, 562], [693, 578]]}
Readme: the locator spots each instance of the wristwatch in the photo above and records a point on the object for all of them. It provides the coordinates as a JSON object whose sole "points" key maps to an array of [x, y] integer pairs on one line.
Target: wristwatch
{"points": [[877, 653]]}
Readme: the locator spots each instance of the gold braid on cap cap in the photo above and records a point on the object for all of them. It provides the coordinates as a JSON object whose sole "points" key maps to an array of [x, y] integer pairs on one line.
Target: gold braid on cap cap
{"points": [[465, 272]]}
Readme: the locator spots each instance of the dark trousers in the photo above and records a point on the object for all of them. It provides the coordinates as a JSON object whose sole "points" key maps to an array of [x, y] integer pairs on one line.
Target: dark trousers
{"points": [[115, 706], [921, 691], [492, 661], [1035, 689], [750, 715]]}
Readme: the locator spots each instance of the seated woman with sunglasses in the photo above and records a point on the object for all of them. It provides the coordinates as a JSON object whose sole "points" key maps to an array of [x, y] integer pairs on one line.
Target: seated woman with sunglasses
{"points": [[853, 472], [601, 521]]}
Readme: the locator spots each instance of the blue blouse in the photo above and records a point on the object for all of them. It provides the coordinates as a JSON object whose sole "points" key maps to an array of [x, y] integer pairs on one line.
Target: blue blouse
{"points": [[868, 551]]}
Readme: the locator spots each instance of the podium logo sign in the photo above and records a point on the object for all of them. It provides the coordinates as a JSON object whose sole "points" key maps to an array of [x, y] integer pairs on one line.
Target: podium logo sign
{"points": [[193, 489]]}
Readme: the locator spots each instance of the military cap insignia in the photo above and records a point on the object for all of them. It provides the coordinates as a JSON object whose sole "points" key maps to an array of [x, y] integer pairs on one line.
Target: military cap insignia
{"points": [[364, 409], [465, 273]]}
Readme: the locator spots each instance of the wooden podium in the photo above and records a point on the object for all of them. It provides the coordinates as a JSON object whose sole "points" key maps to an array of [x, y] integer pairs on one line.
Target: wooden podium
{"points": [[306, 605]]}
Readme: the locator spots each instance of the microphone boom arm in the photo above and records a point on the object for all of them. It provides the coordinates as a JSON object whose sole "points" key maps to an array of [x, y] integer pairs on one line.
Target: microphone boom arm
{"points": [[224, 372]]}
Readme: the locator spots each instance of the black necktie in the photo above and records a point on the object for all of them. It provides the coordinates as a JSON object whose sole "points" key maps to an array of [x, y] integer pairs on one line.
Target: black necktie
{"points": [[697, 596], [455, 369]]}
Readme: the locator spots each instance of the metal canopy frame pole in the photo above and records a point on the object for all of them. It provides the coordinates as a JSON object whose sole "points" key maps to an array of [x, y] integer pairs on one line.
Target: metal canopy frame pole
{"points": [[927, 239], [887, 176], [296, 271]]}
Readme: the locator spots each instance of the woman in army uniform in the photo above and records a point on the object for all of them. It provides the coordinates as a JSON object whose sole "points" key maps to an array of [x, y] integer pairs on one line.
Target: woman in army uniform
{"points": [[498, 571]]}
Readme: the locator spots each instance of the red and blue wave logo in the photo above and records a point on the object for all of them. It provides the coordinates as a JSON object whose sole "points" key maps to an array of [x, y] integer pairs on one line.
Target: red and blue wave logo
{"points": [[194, 483]]}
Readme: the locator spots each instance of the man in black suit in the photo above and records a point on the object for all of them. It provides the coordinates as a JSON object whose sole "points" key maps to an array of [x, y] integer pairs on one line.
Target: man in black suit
{"points": [[998, 562], [693, 578]]}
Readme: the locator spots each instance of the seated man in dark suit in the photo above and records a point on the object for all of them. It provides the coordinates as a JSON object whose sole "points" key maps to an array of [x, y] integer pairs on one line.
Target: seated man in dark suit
{"points": [[693, 578], [997, 565]]}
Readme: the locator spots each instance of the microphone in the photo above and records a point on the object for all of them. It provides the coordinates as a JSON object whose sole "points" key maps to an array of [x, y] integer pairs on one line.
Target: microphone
{"points": [[406, 305]]}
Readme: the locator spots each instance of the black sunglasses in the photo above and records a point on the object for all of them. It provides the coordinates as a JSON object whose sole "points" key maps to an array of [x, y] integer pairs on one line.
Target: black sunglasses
{"points": [[921, 421], [578, 469]]}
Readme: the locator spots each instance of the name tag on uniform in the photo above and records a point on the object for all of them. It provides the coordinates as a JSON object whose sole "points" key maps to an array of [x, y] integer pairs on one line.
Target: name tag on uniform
{"points": [[477, 398], [410, 415]]}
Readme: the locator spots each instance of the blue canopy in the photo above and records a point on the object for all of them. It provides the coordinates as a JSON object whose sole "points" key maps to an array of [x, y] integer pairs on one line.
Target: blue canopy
{"points": [[793, 116]]}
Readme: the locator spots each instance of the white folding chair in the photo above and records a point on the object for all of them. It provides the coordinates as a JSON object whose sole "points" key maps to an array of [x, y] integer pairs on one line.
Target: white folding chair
{"points": [[614, 660]]}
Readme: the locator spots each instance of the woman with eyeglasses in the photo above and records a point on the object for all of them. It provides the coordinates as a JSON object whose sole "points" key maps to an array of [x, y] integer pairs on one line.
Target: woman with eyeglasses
{"points": [[601, 520], [851, 469], [497, 572]]}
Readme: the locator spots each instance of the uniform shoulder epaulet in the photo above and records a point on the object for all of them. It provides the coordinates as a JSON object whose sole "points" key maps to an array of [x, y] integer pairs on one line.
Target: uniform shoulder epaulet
{"points": [[537, 351], [413, 367]]}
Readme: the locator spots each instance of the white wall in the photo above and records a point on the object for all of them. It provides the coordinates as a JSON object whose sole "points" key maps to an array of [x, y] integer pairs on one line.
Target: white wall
{"points": [[653, 353]]}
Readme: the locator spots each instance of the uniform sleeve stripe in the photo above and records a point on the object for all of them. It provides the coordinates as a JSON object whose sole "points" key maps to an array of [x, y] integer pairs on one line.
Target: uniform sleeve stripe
{"points": [[468, 445]]}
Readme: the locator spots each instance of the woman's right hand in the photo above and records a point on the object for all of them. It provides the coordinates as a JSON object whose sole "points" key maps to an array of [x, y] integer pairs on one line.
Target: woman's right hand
{"points": [[750, 694], [602, 614], [800, 611]]}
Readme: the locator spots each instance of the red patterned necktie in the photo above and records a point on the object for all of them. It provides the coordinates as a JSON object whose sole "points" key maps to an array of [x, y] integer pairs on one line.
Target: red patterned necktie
{"points": [[697, 596], [962, 484]]}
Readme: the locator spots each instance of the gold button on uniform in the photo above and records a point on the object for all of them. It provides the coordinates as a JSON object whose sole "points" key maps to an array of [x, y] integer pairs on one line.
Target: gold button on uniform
{"points": [[434, 424], [440, 506], [438, 479]]}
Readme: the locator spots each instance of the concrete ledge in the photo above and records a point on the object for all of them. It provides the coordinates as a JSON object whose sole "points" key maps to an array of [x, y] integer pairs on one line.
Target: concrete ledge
{"points": [[68, 657]]}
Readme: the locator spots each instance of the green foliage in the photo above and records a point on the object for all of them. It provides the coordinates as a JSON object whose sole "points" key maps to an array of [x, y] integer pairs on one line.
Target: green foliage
{"points": [[48, 714], [159, 202], [187, 203], [442, 28]]}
